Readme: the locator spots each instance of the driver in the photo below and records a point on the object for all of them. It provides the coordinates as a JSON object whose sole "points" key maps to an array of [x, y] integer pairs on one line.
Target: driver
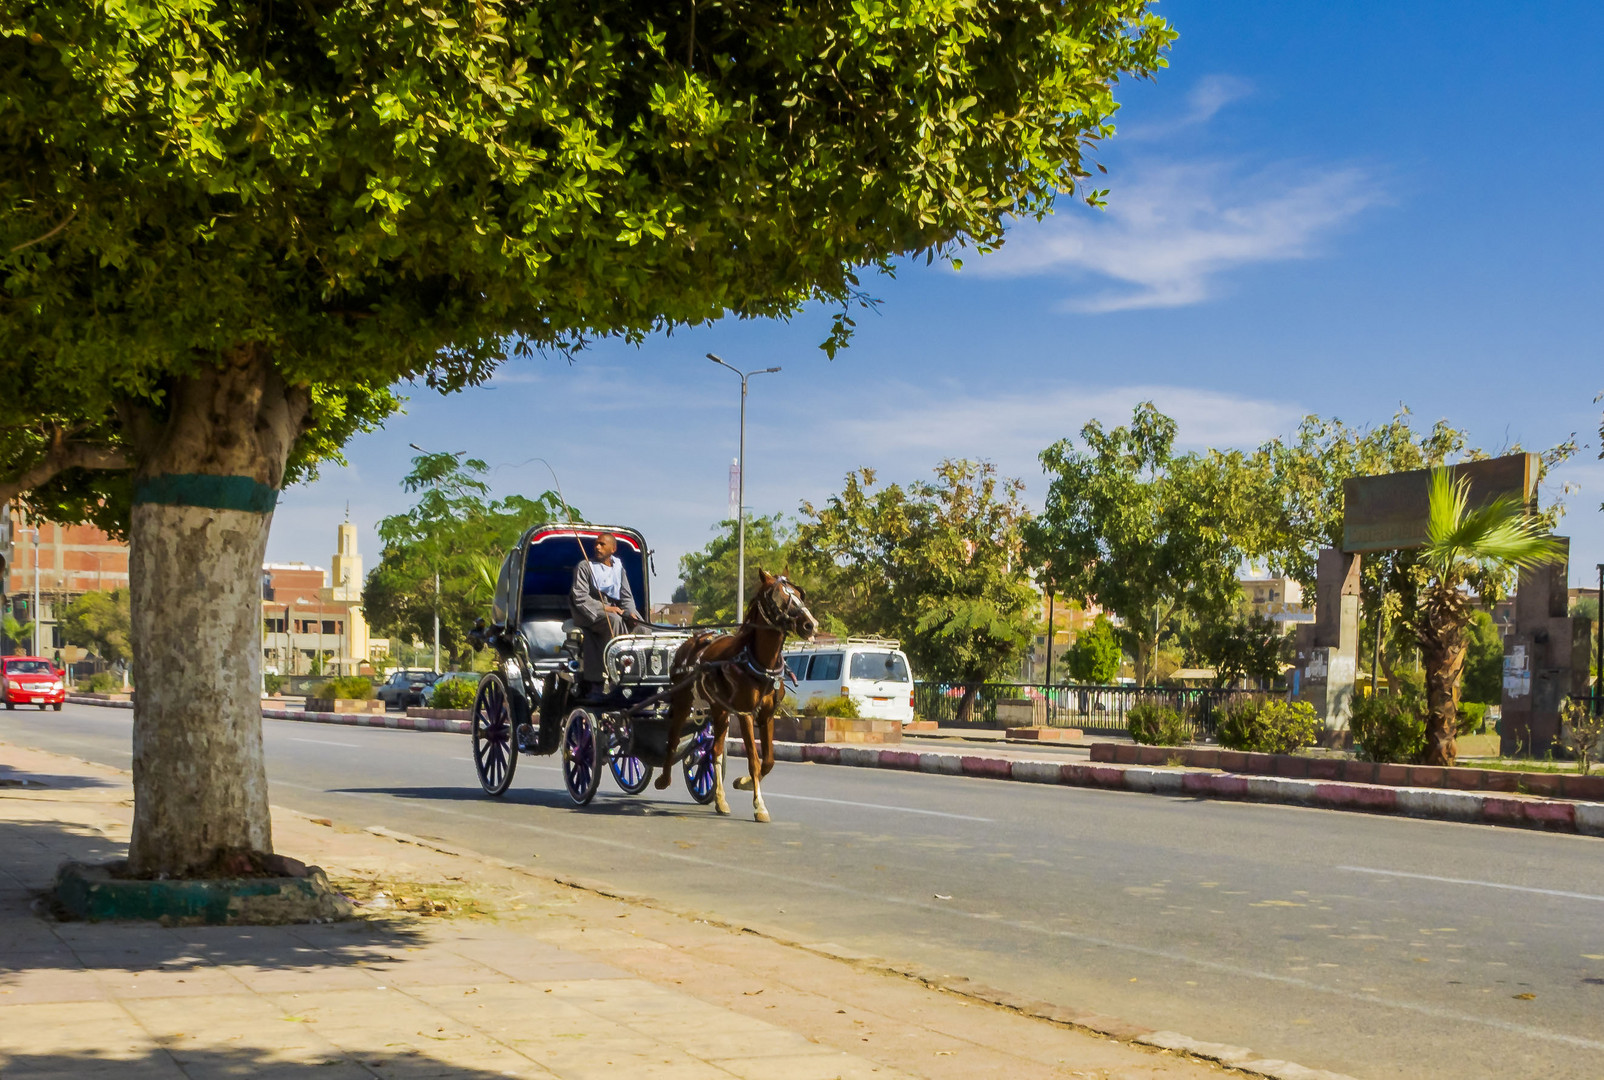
{"points": [[601, 602]]}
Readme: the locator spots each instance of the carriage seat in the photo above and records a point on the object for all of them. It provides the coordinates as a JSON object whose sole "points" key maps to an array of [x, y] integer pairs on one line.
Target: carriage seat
{"points": [[545, 635]]}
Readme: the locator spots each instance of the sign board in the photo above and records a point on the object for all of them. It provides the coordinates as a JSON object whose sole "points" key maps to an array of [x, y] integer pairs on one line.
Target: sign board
{"points": [[1388, 512]]}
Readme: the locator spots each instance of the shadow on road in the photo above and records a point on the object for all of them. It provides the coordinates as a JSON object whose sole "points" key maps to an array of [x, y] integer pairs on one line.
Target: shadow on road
{"points": [[606, 804]]}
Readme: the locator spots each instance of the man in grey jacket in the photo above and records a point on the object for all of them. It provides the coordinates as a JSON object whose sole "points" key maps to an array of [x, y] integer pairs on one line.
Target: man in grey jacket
{"points": [[601, 602]]}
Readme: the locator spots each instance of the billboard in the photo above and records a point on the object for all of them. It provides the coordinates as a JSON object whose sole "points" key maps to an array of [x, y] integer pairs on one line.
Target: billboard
{"points": [[1388, 512]]}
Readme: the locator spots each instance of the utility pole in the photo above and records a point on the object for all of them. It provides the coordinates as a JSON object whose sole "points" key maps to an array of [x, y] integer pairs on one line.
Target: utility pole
{"points": [[34, 613], [437, 622], [1598, 657], [740, 490]]}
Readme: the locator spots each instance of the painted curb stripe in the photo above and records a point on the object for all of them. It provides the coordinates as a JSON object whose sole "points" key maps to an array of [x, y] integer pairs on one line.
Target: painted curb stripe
{"points": [[210, 492], [1437, 804]]}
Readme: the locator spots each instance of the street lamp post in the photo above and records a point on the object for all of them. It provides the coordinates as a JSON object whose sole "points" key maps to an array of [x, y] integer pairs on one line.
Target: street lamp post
{"points": [[457, 454], [740, 488], [1598, 689], [34, 613]]}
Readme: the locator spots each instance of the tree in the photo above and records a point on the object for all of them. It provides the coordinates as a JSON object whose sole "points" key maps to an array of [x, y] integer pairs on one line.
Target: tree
{"points": [[457, 531], [937, 565], [1484, 661], [1138, 530], [227, 230], [1094, 657], [100, 622], [707, 577], [1467, 548], [1242, 645], [19, 634]]}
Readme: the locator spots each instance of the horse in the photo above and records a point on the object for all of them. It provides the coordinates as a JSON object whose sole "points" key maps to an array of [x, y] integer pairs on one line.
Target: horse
{"points": [[741, 674]]}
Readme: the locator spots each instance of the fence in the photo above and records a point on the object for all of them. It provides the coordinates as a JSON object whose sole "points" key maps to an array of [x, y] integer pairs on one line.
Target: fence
{"points": [[1092, 708]]}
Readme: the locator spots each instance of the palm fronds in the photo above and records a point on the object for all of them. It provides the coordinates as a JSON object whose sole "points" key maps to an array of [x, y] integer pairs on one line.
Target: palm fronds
{"points": [[1499, 533]]}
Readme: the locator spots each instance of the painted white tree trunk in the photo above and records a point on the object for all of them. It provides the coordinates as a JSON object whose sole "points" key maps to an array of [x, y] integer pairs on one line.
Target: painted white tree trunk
{"points": [[200, 782]]}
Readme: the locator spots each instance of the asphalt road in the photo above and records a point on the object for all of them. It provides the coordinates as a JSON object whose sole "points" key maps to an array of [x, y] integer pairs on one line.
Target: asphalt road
{"points": [[1373, 946]]}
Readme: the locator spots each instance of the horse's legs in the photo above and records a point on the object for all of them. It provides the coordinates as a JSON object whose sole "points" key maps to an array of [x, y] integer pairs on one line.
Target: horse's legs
{"points": [[754, 763], [765, 730], [679, 708], [721, 730]]}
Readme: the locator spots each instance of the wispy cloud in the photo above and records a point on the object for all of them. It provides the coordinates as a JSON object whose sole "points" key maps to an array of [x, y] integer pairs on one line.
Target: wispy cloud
{"points": [[1207, 97], [1171, 230]]}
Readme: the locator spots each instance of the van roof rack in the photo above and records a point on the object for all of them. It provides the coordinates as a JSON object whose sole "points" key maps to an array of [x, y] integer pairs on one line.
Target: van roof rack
{"points": [[807, 646]]}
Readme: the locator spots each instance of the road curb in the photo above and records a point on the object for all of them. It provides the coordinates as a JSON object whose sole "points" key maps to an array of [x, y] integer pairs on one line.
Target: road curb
{"points": [[1436, 804]]}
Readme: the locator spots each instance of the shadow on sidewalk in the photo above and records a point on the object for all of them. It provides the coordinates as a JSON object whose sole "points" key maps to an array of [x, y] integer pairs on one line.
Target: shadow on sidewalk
{"points": [[31, 940], [329, 1063], [18, 780]]}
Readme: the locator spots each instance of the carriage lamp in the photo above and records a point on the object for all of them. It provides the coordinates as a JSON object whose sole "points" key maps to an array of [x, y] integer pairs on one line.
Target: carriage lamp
{"points": [[626, 664]]}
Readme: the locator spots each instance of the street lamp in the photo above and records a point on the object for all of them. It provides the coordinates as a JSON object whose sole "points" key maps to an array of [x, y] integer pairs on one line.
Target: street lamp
{"points": [[740, 488], [35, 612], [1598, 689], [436, 663]]}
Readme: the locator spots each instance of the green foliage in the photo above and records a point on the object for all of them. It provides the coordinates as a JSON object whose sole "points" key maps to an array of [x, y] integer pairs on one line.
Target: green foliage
{"points": [[1133, 527], [18, 634], [100, 622], [1094, 657], [1582, 733], [937, 565], [1472, 717], [345, 688], [102, 682], [707, 576], [1484, 661], [457, 531], [1242, 646], [374, 192], [1269, 727], [1585, 607], [453, 694], [272, 684], [1388, 728], [1157, 725], [840, 706]]}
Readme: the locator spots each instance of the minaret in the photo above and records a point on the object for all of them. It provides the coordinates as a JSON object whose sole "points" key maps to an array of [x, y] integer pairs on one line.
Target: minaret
{"points": [[346, 577]]}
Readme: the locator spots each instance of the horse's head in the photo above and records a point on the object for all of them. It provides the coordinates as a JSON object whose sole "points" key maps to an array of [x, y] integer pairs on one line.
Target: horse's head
{"points": [[783, 604]]}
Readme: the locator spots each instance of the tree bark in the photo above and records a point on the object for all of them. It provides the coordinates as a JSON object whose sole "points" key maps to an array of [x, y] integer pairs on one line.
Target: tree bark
{"points": [[1441, 633], [200, 782], [966, 704]]}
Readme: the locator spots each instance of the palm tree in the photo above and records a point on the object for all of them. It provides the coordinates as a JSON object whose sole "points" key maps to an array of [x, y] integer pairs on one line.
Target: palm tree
{"points": [[1466, 550]]}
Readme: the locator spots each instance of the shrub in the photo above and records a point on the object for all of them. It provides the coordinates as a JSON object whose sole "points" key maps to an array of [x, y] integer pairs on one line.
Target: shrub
{"points": [[840, 707], [1472, 717], [1388, 728], [272, 684], [1157, 725], [453, 694], [104, 682], [345, 688], [1269, 727]]}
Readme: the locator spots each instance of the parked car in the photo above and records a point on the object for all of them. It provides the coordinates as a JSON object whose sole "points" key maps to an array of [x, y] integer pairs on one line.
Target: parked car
{"points": [[873, 672], [405, 688], [31, 680]]}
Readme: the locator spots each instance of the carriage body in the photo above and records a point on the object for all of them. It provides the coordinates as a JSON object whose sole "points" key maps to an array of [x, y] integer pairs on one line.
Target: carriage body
{"points": [[537, 701]]}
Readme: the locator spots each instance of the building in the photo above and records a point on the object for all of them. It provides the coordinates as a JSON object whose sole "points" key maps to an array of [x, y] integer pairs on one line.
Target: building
{"points": [[71, 560], [1276, 597], [312, 621], [1064, 619], [676, 614]]}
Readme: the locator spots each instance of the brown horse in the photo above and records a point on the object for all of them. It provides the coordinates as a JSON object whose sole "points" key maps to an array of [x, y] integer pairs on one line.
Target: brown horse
{"points": [[741, 674]]}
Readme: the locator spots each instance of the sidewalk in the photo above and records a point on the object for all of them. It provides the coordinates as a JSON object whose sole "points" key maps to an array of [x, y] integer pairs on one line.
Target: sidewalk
{"points": [[506, 974]]}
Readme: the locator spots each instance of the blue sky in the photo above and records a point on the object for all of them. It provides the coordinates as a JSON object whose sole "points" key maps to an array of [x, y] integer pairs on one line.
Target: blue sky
{"points": [[1326, 208]]}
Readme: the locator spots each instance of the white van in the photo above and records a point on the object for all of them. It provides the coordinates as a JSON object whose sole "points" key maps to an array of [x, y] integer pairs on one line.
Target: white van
{"points": [[873, 672]]}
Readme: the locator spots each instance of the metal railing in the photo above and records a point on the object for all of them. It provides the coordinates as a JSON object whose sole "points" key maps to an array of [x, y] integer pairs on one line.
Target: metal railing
{"points": [[1100, 709]]}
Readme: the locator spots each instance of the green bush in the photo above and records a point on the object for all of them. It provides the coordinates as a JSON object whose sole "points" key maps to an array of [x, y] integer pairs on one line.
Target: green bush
{"points": [[1472, 717], [105, 682], [272, 684], [1268, 727], [840, 707], [453, 694], [1157, 725], [1388, 728], [345, 688]]}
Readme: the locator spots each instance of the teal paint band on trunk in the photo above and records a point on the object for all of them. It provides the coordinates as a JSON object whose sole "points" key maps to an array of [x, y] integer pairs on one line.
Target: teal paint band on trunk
{"points": [[211, 492]]}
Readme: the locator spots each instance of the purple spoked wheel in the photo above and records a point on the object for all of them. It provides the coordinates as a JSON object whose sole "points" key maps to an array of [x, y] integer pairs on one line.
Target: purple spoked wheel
{"points": [[582, 757], [631, 773], [493, 755], [699, 774]]}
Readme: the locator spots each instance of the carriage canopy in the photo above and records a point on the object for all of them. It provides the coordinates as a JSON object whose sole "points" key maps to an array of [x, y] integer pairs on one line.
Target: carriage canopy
{"points": [[532, 591]]}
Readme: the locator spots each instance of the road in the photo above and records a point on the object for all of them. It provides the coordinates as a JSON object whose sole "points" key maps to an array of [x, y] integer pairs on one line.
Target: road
{"points": [[1373, 946]]}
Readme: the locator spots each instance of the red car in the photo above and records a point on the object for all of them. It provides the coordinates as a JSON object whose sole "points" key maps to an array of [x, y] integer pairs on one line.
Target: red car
{"points": [[31, 680]]}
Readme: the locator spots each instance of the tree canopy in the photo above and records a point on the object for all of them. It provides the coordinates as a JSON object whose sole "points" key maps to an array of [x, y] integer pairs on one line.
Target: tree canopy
{"points": [[455, 530], [938, 565], [708, 576], [1095, 656], [101, 623]]}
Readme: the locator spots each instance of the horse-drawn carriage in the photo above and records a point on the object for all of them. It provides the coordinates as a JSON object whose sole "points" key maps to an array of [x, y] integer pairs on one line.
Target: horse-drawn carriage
{"points": [[662, 698]]}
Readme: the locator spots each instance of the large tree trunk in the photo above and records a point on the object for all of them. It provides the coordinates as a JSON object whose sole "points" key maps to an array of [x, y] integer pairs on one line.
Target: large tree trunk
{"points": [[1441, 633], [200, 783]]}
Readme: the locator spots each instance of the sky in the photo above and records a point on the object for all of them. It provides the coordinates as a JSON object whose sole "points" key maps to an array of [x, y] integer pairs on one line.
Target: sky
{"points": [[1337, 209]]}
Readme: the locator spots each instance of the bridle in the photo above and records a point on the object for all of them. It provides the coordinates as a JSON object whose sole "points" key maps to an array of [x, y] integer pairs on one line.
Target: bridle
{"points": [[789, 618]]}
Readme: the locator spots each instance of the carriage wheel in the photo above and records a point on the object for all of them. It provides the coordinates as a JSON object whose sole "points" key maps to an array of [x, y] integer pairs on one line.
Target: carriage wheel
{"points": [[582, 757], [493, 755], [631, 772], [699, 775]]}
